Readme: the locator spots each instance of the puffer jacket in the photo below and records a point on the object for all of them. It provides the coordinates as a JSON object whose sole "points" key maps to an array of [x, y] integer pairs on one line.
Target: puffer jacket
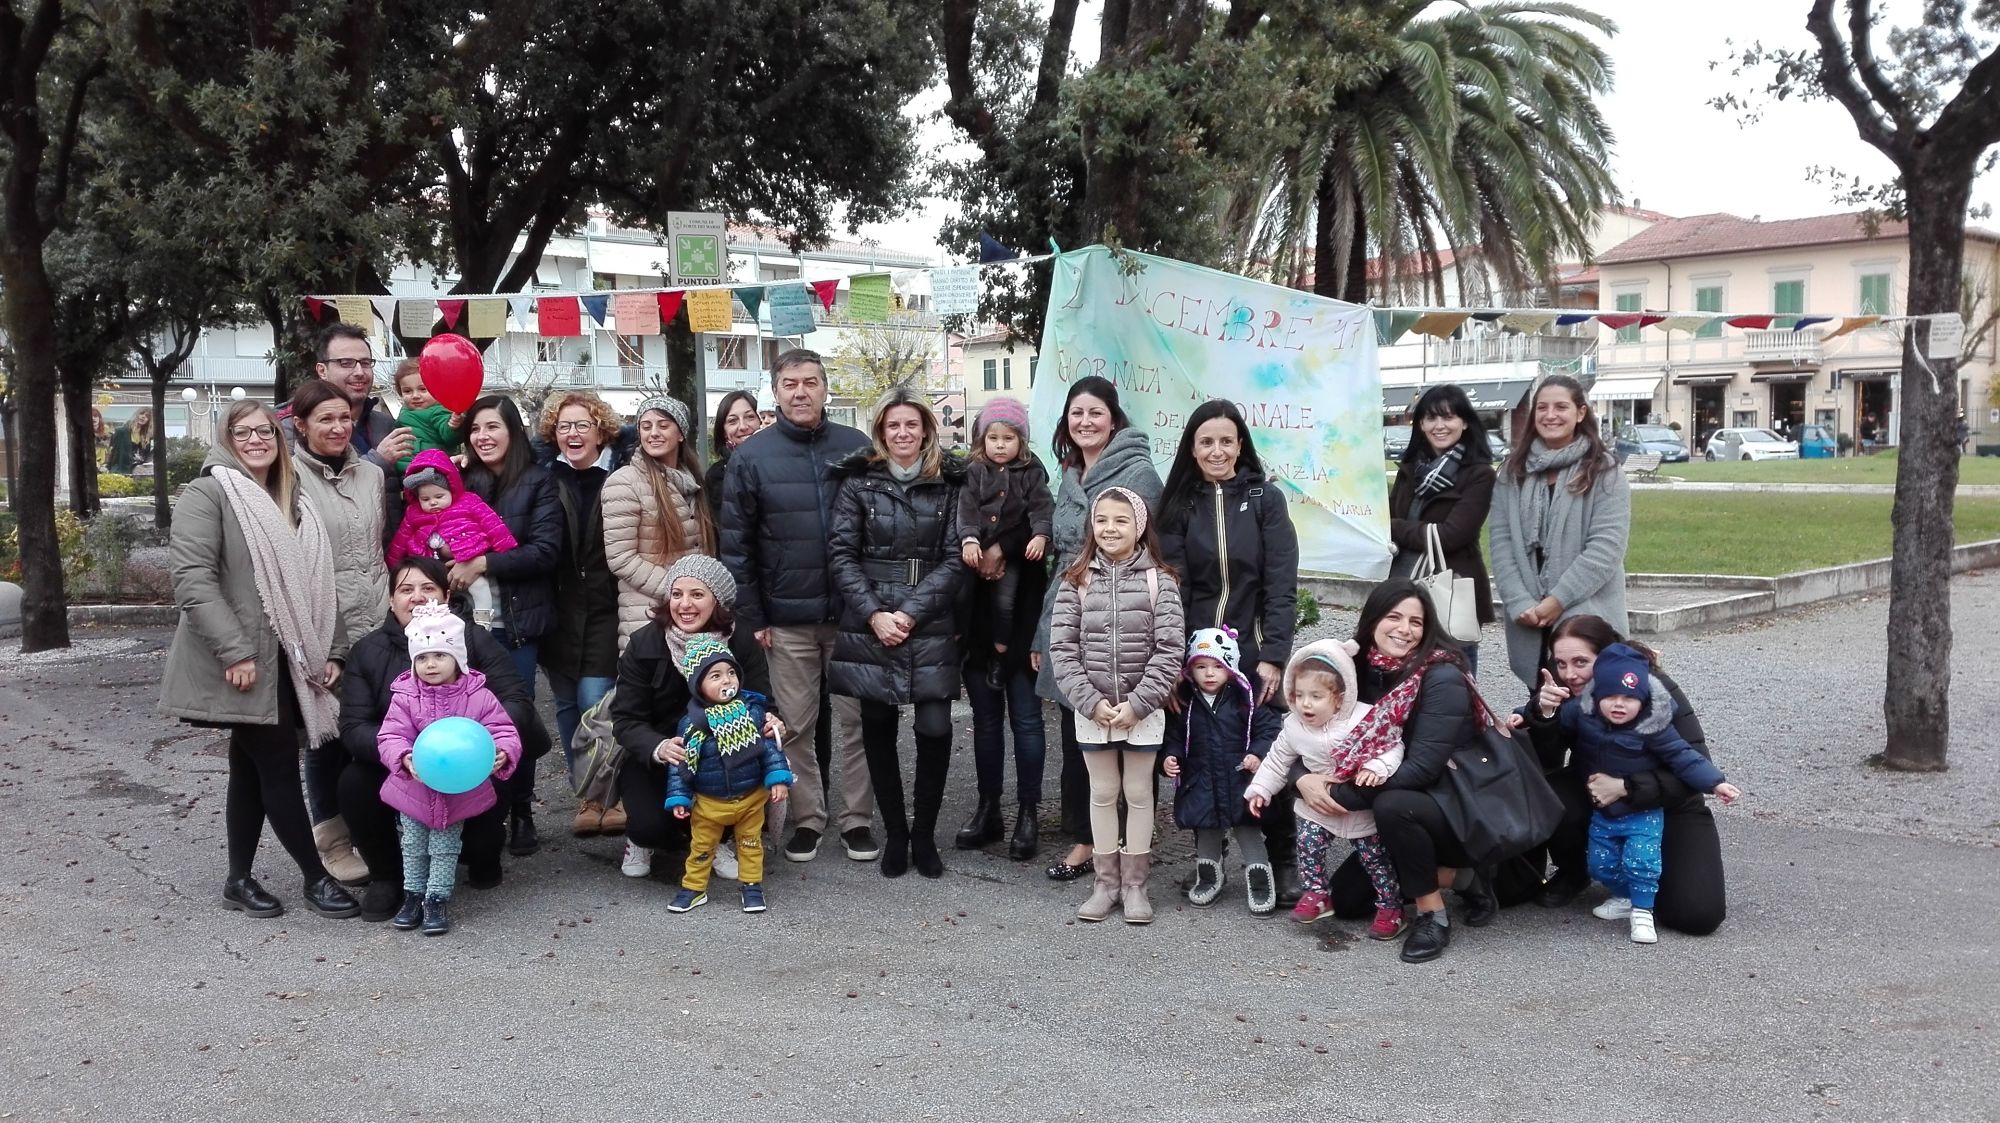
{"points": [[1300, 748], [1238, 557], [777, 521], [1647, 745], [1114, 640], [525, 576], [635, 538], [1647, 789], [895, 548], [653, 695], [413, 706], [582, 642], [468, 528], [719, 775], [222, 619], [1127, 462], [350, 504], [1210, 741], [368, 686], [1460, 514]]}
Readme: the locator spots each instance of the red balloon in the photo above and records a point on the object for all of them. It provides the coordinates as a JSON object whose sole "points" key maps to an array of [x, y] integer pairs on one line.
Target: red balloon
{"points": [[453, 371]]}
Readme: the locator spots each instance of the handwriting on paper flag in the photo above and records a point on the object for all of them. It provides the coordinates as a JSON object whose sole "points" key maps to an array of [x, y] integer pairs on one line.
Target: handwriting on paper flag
{"points": [[791, 310], [415, 317], [709, 310], [638, 313], [357, 311], [558, 315], [1947, 336], [868, 297], [486, 319], [955, 291]]}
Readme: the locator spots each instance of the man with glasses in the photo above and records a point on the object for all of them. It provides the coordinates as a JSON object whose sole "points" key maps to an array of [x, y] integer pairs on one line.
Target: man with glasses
{"points": [[347, 359]]}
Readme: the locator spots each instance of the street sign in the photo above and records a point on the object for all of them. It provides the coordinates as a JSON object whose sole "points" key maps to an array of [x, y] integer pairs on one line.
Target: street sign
{"points": [[697, 249]]}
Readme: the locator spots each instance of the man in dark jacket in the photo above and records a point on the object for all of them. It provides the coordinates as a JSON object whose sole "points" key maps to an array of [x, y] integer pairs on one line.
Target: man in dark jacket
{"points": [[776, 522]]}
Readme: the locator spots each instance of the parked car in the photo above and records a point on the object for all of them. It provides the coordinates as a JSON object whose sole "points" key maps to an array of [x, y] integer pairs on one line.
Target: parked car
{"points": [[1750, 444], [1817, 442], [1651, 438], [1395, 438], [1500, 446]]}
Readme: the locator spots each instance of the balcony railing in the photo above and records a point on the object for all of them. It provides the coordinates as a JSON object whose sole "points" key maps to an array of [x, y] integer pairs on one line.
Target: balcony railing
{"points": [[1510, 348], [1782, 346]]}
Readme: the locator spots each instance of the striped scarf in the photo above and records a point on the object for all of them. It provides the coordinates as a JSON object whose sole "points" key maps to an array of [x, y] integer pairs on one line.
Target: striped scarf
{"points": [[293, 568], [730, 724]]}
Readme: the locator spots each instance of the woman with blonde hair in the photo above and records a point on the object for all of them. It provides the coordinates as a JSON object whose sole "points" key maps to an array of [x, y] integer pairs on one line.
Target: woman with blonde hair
{"points": [[895, 558], [259, 647], [654, 513], [131, 444]]}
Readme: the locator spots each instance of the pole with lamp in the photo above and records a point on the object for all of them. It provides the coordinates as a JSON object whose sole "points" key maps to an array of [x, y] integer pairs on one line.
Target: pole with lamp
{"points": [[207, 406]]}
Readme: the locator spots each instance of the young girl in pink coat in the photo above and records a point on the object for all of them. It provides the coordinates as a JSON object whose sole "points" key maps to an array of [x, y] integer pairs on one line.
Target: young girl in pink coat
{"points": [[437, 685]]}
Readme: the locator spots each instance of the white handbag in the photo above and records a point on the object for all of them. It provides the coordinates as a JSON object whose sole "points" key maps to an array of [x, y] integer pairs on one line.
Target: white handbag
{"points": [[1454, 597]]}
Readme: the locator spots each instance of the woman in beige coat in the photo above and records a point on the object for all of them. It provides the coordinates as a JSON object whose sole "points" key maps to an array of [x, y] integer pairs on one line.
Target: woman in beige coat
{"points": [[654, 513], [259, 647], [347, 491]]}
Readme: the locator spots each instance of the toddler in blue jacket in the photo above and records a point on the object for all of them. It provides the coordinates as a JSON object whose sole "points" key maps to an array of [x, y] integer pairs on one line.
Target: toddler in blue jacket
{"points": [[1621, 725], [732, 772]]}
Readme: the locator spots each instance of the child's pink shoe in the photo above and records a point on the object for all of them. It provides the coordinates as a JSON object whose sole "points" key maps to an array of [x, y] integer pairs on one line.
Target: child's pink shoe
{"points": [[1312, 905], [1388, 924]]}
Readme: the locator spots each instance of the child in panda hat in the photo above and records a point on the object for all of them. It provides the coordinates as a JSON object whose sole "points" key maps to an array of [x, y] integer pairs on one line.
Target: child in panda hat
{"points": [[1213, 746]]}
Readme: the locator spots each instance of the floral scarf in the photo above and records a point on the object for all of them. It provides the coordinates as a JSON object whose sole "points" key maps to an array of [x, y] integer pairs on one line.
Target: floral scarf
{"points": [[1382, 729]]}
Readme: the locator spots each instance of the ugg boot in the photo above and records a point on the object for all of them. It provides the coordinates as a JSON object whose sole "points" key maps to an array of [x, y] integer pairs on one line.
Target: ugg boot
{"points": [[336, 852], [1103, 890], [1138, 907]]}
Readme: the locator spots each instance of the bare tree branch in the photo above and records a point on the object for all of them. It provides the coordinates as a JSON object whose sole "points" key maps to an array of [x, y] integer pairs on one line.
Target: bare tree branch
{"points": [[1861, 44], [1836, 76]]}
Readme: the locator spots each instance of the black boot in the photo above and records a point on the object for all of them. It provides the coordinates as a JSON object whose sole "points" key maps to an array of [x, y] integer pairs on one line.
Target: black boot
{"points": [[522, 838], [1289, 889], [1427, 939], [411, 914], [1027, 834], [249, 898], [927, 799], [986, 826], [1481, 906], [379, 900], [924, 855], [327, 898], [1561, 890], [436, 923], [895, 849]]}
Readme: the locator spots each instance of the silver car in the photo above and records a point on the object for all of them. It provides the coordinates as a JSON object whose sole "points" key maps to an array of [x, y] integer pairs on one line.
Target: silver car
{"points": [[1750, 444]]}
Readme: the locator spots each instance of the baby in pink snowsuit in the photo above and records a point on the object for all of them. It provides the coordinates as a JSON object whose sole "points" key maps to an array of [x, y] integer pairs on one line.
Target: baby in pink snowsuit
{"points": [[442, 519]]}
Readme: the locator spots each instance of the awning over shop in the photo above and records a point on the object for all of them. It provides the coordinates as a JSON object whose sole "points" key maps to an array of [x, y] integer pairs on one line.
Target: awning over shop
{"points": [[1639, 389], [1703, 379], [1783, 376], [1493, 394]]}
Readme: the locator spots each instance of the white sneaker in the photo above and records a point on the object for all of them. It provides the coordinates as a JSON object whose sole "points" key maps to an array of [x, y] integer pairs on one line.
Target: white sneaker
{"points": [[1642, 927], [725, 860], [638, 860], [1617, 908]]}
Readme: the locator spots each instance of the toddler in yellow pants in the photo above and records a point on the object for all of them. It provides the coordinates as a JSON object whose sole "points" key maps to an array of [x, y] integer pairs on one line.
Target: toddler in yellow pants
{"points": [[732, 771]]}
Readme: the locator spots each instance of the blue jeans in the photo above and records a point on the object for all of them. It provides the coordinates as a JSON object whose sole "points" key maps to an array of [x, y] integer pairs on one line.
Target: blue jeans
{"points": [[1014, 704], [519, 789], [1625, 854], [524, 657], [573, 697]]}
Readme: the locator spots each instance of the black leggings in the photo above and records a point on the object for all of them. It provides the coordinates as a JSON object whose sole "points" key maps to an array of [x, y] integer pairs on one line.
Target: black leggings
{"points": [[880, 726], [372, 824], [1413, 826], [1692, 897], [642, 788], [264, 783]]}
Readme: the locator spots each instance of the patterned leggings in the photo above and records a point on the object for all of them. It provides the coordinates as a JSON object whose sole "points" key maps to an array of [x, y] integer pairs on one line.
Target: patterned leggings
{"points": [[1316, 841], [430, 858], [1625, 854]]}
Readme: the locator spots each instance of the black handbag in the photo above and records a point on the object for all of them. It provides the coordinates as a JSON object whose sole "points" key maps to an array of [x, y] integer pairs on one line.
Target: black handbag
{"points": [[1493, 793]]}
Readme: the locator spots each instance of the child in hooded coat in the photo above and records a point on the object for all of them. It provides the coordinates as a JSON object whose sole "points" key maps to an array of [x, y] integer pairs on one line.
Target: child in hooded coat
{"points": [[1215, 741]]}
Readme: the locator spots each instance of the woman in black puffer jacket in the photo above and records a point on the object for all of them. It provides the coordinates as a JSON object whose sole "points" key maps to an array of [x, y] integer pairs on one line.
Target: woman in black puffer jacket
{"points": [[895, 559]]}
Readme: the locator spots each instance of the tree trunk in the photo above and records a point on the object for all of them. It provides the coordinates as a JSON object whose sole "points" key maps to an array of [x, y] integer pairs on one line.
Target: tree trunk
{"points": [[28, 301], [1916, 704], [681, 379], [163, 512], [1328, 261], [83, 497]]}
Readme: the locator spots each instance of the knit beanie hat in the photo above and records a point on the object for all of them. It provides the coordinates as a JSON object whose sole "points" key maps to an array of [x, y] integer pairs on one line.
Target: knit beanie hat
{"points": [[703, 652], [432, 627], [709, 572], [669, 406], [1132, 498], [421, 477], [1621, 670], [1005, 411]]}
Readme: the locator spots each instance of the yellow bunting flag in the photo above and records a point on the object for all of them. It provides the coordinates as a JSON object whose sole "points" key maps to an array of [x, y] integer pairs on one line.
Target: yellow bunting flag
{"points": [[1851, 323], [356, 310], [637, 313], [868, 297], [1527, 323], [709, 309], [1439, 325], [486, 319]]}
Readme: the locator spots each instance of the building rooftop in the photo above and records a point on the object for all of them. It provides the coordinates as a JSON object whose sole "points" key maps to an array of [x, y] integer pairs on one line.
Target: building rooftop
{"points": [[1705, 235]]}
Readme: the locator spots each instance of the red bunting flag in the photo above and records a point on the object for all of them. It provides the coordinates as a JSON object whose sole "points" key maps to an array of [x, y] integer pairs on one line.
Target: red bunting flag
{"points": [[451, 310], [1750, 321], [558, 316], [1649, 319], [315, 308], [825, 290], [1616, 320], [670, 305]]}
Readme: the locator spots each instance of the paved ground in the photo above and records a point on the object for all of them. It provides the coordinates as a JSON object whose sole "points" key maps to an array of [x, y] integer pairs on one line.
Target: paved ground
{"points": [[1855, 979]]}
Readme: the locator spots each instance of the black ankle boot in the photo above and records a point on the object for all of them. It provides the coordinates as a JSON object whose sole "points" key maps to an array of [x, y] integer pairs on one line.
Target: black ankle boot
{"points": [[379, 900], [411, 914], [436, 922], [895, 852], [522, 838], [249, 898], [986, 826], [327, 898], [924, 854], [1027, 835], [1481, 907], [1561, 890]]}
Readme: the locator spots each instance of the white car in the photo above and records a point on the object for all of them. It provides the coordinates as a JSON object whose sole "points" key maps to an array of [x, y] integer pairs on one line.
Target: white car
{"points": [[1750, 444]]}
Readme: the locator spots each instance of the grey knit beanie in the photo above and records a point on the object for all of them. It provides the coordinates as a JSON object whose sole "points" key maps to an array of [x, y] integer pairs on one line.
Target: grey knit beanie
{"points": [[669, 406], [709, 572]]}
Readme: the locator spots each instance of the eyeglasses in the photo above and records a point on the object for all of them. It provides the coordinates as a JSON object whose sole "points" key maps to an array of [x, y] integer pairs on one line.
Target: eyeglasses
{"points": [[575, 426], [350, 364], [253, 433]]}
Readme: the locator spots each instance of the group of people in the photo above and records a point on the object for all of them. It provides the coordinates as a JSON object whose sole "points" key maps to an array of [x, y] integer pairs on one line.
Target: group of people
{"points": [[702, 627]]}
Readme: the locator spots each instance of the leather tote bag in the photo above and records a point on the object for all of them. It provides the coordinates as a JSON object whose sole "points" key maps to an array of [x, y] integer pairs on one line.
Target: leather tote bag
{"points": [[1453, 596], [1493, 793]]}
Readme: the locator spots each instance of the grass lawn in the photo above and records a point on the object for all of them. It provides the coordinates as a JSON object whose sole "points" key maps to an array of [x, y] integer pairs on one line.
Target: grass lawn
{"points": [[1764, 534], [1879, 469]]}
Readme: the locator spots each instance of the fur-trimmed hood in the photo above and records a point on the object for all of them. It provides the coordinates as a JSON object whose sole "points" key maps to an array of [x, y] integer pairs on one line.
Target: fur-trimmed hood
{"points": [[1335, 653], [951, 465]]}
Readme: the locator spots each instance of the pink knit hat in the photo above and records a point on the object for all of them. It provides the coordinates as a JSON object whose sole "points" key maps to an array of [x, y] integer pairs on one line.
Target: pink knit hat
{"points": [[1006, 411]]}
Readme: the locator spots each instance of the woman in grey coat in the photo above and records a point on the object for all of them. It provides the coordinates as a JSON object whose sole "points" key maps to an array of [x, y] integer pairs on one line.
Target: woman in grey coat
{"points": [[259, 648], [894, 556], [1561, 516], [1097, 448]]}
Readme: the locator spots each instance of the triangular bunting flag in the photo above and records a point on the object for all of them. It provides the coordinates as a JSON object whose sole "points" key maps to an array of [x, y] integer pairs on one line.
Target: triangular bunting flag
{"points": [[990, 249], [1805, 322], [752, 297], [1686, 322], [826, 290], [523, 308], [1527, 323], [1616, 320], [1566, 319], [557, 316], [385, 307], [596, 306], [1439, 325], [451, 310], [315, 308], [1390, 326], [1851, 323], [670, 304], [1753, 322], [1488, 316]]}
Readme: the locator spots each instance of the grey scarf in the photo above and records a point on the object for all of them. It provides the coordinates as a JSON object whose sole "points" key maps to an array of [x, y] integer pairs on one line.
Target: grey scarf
{"points": [[902, 475], [1542, 509]]}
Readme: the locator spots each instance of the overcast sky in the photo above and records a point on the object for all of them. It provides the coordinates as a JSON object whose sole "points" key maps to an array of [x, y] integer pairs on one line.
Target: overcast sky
{"points": [[1674, 153]]}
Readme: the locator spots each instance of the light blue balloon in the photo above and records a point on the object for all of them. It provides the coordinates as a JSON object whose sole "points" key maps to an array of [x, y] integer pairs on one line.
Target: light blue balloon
{"points": [[454, 754]]}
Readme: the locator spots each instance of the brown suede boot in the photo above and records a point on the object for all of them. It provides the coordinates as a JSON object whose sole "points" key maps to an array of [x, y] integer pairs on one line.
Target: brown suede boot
{"points": [[337, 853], [1103, 891], [613, 821], [589, 819], [1138, 907]]}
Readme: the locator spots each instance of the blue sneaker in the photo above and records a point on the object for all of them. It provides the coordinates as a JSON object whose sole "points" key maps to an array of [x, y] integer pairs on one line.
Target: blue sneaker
{"points": [[753, 898], [687, 900]]}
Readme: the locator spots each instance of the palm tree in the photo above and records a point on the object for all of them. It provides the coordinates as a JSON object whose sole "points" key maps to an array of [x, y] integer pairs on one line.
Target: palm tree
{"points": [[1477, 134]]}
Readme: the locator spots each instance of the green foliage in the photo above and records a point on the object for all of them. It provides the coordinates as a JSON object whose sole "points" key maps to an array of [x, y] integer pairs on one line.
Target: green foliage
{"points": [[112, 485], [184, 459], [1308, 609], [70, 531]]}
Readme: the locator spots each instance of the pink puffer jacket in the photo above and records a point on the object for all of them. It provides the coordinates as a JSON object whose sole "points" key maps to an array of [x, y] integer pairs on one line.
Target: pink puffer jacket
{"points": [[468, 527], [412, 707]]}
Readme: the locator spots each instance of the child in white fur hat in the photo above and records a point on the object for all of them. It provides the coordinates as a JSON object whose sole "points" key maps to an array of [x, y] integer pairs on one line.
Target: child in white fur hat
{"points": [[1214, 743]]}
